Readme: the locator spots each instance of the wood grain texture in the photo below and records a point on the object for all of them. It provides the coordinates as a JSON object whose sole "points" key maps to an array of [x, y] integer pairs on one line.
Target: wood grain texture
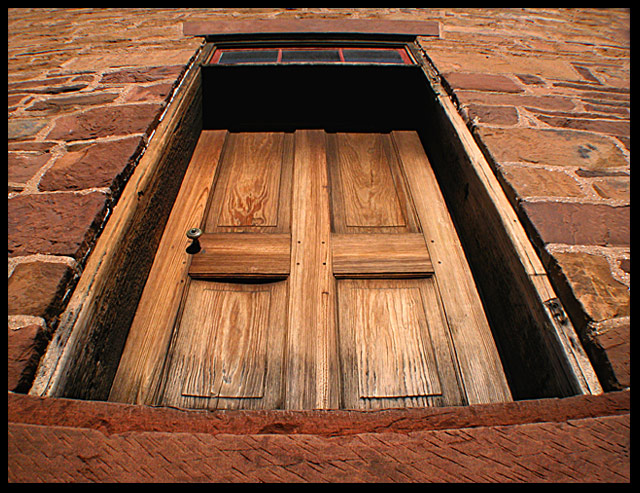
{"points": [[367, 188], [413, 336], [251, 195], [228, 350], [370, 197], [257, 255], [393, 358], [311, 365], [380, 255], [145, 350], [227, 358], [252, 191], [480, 365], [395, 345]]}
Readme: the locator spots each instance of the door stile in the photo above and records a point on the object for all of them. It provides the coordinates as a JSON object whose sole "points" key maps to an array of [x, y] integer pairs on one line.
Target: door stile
{"points": [[141, 365], [479, 363], [311, 356]]}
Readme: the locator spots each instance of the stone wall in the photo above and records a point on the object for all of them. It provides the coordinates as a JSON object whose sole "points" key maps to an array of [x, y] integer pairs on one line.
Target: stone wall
{"points": [[86, 88], [546, 92]]}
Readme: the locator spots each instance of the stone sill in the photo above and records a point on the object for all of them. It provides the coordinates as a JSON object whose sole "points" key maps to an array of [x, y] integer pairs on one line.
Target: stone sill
{"points": [[119, 418]]}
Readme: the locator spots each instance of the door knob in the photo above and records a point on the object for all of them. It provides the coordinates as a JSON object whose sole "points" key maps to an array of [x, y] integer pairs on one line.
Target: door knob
{"points": [[194, 234]]}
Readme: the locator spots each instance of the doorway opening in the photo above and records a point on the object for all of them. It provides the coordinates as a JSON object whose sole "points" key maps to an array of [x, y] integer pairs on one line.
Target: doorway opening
{"points": [[333, 109]]}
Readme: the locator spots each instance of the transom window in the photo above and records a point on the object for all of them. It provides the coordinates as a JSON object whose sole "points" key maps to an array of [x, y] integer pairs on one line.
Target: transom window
{"points": [[315, 55]]}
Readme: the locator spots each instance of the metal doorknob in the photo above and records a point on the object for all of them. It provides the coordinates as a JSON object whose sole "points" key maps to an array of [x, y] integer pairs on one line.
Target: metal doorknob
{"points": [[194, 234]]}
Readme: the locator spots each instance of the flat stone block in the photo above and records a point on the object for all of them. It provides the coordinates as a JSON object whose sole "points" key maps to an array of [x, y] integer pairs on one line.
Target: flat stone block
{"points": [[22, 167], [552, 147], [481, 82], [34, 286], [537, 182], [92, 165], [580, 224], [497, 115], [601, 296], [23, 349], [24, 128], [54, 224], [106, 121], [141, 75], [615, 338]]}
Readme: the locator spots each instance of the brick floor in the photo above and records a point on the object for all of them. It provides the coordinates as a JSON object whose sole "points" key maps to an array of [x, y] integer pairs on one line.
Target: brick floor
{"points": [[591, 449], [575, 439]]}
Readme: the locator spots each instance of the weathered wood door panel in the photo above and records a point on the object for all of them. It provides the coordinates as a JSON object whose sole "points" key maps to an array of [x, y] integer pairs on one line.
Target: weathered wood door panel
{"points": [[252, 192], [368, 190], [228, 350], [395, 346], [329, 276]]}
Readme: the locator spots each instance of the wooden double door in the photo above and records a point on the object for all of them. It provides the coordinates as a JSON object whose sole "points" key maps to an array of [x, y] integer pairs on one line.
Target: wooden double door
{"points": [[329, 275]]}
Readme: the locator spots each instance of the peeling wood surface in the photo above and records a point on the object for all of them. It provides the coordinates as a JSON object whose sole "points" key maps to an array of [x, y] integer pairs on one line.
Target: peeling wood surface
{"points": [[143, 358]]}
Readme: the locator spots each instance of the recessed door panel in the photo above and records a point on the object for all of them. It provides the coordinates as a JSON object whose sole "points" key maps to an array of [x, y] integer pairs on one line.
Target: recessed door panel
{"points": [[370, 197], [227, 352], [253, 188], [368, 190], [388, 335], [394, 357]]}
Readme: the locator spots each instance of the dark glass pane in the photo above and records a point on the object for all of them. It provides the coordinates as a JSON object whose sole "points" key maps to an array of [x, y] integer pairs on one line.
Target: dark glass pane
{"points": [[310, 56], [249, 56], [372, 56]]}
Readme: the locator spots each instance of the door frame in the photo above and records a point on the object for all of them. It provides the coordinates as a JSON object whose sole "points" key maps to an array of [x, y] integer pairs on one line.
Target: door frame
{"points": [[83, 354]]}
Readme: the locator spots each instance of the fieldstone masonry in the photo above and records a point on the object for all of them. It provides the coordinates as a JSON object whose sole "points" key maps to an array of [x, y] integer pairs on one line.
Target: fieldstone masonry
{"points": [[546, 93]]}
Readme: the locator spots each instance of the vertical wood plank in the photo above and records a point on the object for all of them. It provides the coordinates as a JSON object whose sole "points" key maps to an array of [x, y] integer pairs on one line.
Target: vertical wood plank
{"points": [[453, 392], [480, 364], [143, 357], [311, 363]]}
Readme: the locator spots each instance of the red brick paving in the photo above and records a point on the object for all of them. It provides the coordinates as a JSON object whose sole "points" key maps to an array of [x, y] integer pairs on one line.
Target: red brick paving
{"points": [[577, 439], [591, 449]]}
